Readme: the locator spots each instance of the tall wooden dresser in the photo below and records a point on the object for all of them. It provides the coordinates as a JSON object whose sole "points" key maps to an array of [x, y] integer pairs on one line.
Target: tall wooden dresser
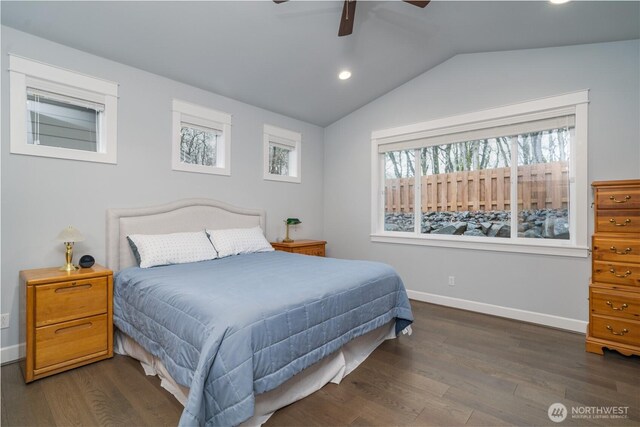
{"points": [[614, 294]]}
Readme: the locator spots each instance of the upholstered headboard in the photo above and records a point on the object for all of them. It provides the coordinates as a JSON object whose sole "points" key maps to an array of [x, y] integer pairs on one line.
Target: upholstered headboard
{"points": [[175, 217]]}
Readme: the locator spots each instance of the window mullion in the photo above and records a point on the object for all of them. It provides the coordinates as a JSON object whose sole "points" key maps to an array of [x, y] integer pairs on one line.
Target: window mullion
{"points": [[514, 186], [381, 192], [417, 195]]}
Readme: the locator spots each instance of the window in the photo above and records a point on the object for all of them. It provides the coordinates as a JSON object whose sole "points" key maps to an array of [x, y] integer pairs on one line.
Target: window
{"points": [[282, 154], [57, 121], [511, 178], [201, 139], [60, 113]]}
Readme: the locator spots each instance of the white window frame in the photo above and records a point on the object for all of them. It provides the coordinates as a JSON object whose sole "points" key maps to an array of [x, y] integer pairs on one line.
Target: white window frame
{"points": [[289, 139], [192, 114], [575, 103], [25, 73]]}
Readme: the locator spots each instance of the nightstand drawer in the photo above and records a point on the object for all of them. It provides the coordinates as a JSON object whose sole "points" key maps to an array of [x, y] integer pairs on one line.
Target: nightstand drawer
{"points": [[63, 301], [68, 341], [624, 331], [302, 246], [312, 250]]}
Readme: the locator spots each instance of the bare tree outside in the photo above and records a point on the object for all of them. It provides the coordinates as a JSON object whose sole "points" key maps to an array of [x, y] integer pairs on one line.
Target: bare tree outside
{"points": [[198, 146], [279, 160], [533, 148], [469, 183]]}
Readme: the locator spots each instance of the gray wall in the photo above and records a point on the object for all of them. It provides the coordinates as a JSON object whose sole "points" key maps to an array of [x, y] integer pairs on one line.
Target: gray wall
{"points": [[40, 195], [467, 83]]}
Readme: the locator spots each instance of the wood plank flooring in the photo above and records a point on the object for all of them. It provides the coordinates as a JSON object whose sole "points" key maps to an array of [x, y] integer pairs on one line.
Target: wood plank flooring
{"points": [[458, 368]]}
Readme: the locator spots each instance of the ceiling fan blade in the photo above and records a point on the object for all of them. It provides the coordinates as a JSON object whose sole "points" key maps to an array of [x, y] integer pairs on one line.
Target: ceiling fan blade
{"points": [[279, 1], [348, 15], [417, 3]]}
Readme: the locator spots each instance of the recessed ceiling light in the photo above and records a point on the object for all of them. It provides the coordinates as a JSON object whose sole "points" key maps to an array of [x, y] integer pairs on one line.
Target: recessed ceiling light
{"points": [[344, 75], [559, 1]]}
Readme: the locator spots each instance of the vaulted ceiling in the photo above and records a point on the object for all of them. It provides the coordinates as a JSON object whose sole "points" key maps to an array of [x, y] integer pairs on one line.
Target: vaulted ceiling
{"points": [[286, 57]]}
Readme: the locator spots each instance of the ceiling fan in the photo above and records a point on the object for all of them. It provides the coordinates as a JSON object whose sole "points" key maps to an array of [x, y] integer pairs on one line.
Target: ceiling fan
{"points": [[349, 11]]}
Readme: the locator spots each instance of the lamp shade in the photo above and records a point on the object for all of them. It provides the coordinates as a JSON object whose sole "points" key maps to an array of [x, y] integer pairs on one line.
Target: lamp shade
{"points": [[70, 234], [293, 221]]}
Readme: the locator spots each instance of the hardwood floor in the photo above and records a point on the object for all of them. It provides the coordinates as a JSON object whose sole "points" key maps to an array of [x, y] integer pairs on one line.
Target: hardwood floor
{"points": [[458, 368]]}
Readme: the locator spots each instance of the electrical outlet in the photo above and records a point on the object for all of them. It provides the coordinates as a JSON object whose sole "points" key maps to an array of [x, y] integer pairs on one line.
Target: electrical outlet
{"points": [[452, 280], [4, 320]]}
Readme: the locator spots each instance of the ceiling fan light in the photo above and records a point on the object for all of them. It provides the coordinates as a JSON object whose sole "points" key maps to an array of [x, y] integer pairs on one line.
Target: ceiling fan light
{"points": [[344, 75], [559, 1]]}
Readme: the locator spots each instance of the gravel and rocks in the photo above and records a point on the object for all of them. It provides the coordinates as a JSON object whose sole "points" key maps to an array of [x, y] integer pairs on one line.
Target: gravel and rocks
{"points": [[532, 223]]}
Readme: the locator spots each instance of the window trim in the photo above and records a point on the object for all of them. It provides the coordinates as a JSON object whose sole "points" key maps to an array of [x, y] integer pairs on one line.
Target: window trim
{"points": [[24, 73], [575, 102], [208, 118], [283, 137]]}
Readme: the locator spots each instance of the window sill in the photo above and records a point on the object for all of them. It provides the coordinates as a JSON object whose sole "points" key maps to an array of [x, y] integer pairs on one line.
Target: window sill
{"points": [[283, 178], [64, 153], [555, 248], [211, 170]]}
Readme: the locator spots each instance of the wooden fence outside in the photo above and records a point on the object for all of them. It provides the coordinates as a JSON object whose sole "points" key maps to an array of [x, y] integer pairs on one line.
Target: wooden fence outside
{"points": [[540, 186]]}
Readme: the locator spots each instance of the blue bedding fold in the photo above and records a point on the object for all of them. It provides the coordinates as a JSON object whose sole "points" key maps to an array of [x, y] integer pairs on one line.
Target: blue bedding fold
{"points": [[239, 326]]}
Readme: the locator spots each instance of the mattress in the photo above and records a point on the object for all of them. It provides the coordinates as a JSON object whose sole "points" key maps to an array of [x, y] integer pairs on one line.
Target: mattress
{"points": [[237, 327]]}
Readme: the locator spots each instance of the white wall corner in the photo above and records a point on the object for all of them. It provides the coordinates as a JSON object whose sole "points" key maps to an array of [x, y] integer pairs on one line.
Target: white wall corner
{"points": [[11, 353], [565, 323]]}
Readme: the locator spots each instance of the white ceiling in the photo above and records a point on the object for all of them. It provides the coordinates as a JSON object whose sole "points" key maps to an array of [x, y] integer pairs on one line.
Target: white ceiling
{"points": [[286, 57]]}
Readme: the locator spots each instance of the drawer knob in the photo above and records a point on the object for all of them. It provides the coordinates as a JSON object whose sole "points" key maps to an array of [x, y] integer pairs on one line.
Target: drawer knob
{"points": [[622, 307], [613, 198], [624, 331], [617, 252], [624, 224], [613, 271]]}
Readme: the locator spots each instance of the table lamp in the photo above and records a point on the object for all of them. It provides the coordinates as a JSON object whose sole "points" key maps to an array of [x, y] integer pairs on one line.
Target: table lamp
{"points": [[69, 236], [290, 221]]}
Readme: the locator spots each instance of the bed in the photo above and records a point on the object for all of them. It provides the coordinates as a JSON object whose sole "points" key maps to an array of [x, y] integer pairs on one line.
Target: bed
{"points": [[236, 338]]}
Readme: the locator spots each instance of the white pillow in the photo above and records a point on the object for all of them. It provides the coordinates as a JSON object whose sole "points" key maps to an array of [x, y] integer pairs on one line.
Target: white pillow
{"points": [[176, 248], [235, 241]]}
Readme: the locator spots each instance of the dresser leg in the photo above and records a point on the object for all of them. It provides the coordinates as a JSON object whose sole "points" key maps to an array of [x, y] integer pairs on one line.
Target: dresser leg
{"points": [[594, 348]]}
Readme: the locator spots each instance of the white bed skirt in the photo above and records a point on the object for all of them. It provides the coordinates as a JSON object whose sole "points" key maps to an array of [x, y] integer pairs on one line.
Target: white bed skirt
{"points": [[333, 369]]}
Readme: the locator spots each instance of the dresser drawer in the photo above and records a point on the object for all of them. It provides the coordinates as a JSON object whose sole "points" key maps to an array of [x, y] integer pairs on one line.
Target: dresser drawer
{"points": [[69, 341], [623, 331], [616, 272], [618, 198], [615, 303], [618, 221], [612, 249], [63, 301]]}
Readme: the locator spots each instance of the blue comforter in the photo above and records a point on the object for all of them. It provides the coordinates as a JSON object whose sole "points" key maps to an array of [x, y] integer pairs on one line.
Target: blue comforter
{"points": [[239, 326]]}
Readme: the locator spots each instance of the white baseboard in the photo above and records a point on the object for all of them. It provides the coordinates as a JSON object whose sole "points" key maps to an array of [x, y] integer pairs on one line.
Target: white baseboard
{"points": [[11, 353], [500, 311]]}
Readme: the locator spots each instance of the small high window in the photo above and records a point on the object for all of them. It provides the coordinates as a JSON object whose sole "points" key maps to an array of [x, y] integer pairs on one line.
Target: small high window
{"points": [[60, 113], [201, 139], [282, 154]]}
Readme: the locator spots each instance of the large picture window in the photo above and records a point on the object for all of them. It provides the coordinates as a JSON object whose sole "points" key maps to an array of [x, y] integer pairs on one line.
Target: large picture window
{"points": [[511, 178], [60, 113]]}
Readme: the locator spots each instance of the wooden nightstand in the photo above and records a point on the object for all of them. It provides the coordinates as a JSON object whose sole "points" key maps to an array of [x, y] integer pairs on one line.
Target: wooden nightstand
{"points": [[68, 321], [305, 247]]}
